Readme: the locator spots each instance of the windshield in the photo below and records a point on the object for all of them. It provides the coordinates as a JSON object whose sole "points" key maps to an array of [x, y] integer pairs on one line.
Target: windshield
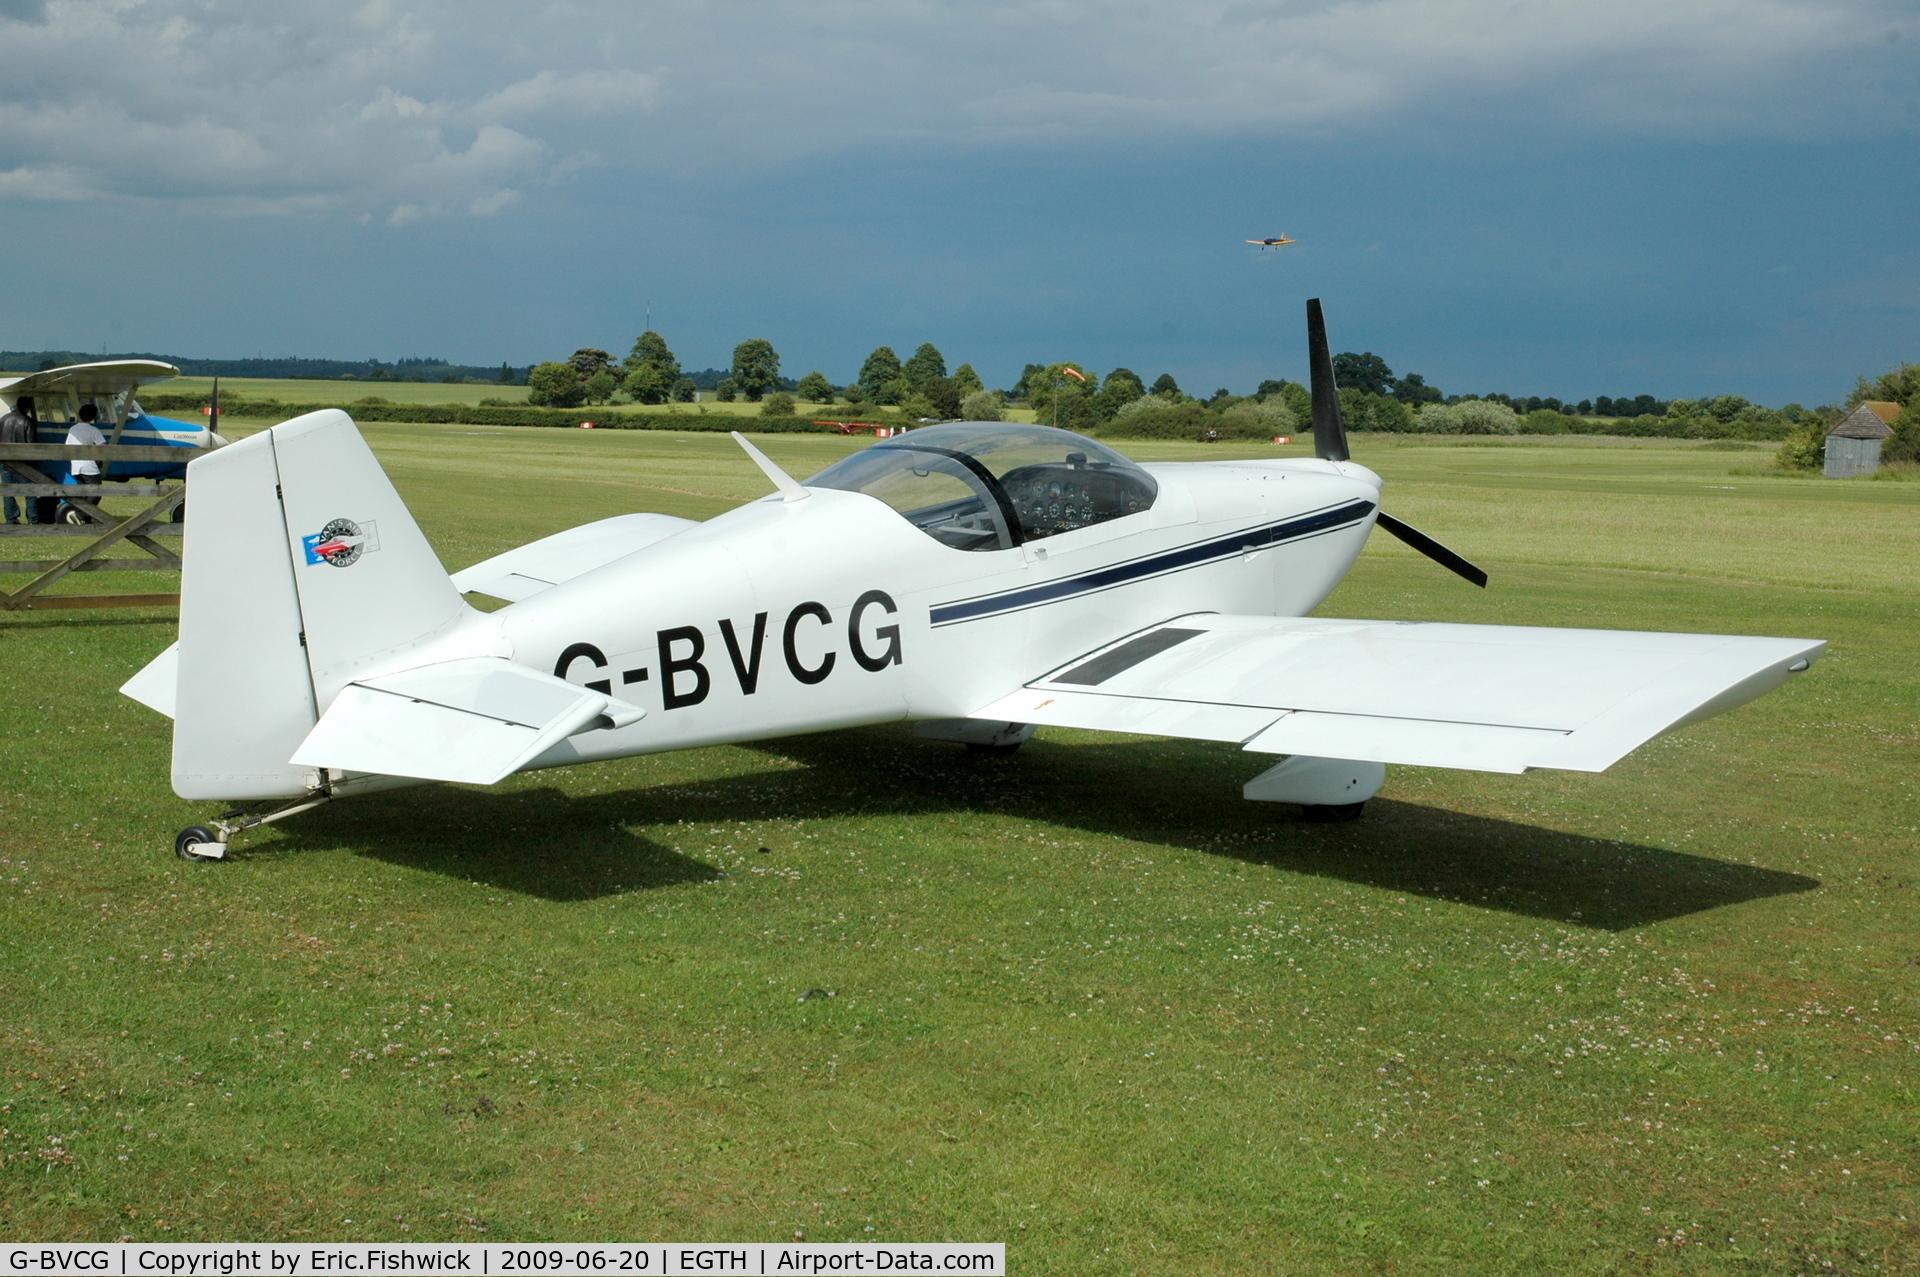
{"points": [[991, 485]]}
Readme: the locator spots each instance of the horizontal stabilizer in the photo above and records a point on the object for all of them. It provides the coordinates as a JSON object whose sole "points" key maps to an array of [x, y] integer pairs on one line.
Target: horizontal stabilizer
{"points": [[1481, 697], [540, 565], [478, 719]]}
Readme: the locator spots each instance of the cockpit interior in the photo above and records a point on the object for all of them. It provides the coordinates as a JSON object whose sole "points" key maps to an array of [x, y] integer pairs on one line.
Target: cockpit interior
{"points": [[993, 485]]}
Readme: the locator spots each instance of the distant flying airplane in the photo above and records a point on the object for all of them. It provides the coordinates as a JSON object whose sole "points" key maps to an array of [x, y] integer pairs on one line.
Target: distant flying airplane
{"points": [[979, 579], [1272, 241]]}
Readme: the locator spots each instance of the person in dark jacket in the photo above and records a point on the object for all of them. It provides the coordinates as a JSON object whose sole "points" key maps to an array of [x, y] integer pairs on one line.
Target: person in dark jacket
{"points": [[18, 426]]}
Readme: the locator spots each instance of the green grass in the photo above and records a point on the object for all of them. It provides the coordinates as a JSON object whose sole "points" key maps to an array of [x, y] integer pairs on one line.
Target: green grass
{"points": [[1087, 1001]]}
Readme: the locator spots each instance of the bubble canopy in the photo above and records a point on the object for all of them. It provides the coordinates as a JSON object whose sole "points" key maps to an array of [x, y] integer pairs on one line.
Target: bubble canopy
{"points": [[986, 485]]}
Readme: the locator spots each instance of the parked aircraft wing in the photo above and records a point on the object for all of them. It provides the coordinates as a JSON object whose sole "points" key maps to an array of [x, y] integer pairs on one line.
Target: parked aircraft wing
{"points": [[541, 565], [108, 378], [477, 719], [1481, 697]]}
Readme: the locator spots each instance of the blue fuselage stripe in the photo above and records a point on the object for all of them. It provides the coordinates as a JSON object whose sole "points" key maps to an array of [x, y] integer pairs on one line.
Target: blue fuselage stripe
{"points": [[1186, 556]]}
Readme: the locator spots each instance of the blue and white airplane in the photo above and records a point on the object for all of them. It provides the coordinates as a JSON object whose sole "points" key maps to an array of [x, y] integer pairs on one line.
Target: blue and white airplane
{"points": [[59, 393]]}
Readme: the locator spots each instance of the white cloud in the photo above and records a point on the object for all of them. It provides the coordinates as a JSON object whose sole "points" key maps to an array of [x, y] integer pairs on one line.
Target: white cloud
{"points": [[405, 109], [578, 94]]}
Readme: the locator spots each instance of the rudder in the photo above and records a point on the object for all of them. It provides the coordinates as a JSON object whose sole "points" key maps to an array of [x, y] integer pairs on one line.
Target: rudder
{"points": [[243, 700]]}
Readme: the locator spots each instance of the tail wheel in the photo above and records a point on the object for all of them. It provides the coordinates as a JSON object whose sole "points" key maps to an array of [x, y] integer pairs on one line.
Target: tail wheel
{"points": [[73, 516], [186, 844]]}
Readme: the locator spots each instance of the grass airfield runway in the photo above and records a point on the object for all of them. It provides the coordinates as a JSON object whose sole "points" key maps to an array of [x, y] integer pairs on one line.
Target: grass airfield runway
{"points": [[1086, 1000]]}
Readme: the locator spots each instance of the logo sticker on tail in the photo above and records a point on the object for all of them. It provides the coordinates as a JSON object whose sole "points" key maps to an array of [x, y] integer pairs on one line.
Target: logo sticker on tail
{"points": [[341, 543]]}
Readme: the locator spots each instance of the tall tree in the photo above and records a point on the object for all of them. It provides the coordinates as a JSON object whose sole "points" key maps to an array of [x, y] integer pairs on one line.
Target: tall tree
{"points": [[756, 368], [650, 383], [1120, 388], [925, 364], [1899, 384], [556, 385], [882, 366], [587, 361], [967, 381], [815, 388], [1062, 398], [943, 395], [651, 370], [651, 348], [1165, 386], [1413, 390], [1366, 372]]}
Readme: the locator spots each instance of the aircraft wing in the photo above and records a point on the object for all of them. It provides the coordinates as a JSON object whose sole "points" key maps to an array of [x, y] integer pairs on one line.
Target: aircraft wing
{"points": [[477, 719], [90, 379], [1480, 697], [541, 565]]}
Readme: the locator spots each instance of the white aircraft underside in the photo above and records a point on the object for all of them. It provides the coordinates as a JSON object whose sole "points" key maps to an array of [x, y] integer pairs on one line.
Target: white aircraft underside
{"points": [[324, 651]]}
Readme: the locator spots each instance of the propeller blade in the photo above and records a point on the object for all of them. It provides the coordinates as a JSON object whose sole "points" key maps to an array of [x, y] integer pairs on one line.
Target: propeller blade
{"points": [[1432, 549], [1329, 431], [213, 409]]}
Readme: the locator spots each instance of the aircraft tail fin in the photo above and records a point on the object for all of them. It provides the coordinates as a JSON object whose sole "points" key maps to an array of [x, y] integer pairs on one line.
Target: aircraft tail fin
{"points": [[303, 570], [243, 697]]}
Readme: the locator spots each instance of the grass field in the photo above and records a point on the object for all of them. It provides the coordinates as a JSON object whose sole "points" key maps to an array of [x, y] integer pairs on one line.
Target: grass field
{"points": [[1087, 1001]]}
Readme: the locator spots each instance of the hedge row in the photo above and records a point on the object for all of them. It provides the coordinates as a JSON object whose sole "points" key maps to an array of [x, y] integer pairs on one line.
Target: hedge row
{"points": [[456, 414], [1189, 421], [1650, 427]]}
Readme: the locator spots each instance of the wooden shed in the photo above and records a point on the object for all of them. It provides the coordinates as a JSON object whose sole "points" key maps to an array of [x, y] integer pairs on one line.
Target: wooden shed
{"points": [[1853, 445]]}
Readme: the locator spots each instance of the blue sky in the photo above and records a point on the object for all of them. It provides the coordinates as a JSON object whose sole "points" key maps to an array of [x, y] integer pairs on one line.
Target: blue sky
{"points": [[1545, 198]]}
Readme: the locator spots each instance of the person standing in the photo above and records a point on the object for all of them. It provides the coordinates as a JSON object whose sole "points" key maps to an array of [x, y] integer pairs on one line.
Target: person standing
{"points": [[18, 426], [85, 434]]}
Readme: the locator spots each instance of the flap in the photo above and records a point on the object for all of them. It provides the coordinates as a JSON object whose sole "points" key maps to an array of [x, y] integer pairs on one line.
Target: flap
{"points": [[1055, 707], [479, 720], [1483, 697], [540, 565]]}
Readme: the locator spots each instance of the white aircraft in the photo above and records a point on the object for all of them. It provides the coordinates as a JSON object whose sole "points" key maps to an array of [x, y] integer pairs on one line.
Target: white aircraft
{"points": [[978, 579]]}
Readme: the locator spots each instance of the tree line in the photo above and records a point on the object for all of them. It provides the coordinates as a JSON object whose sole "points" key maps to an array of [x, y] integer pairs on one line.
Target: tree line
{"points": [[1075, 397]]}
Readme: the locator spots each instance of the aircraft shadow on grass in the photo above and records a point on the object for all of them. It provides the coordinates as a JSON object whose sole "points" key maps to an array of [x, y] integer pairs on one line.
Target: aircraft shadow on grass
{"points": [[1182, 794]]}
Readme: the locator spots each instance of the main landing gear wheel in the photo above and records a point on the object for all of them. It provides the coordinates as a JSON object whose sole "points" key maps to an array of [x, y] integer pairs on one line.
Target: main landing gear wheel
{"points": [[1332, 814], [994, 751], [186, 843]]}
